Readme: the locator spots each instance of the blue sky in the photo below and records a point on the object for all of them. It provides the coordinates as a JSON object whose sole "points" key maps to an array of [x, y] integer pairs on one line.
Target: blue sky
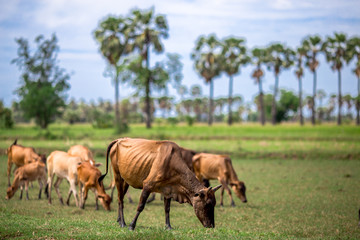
{"points": [[259, 22]]}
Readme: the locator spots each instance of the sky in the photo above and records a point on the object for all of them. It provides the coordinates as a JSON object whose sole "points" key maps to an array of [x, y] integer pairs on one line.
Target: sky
{"points": [[260, 22]]}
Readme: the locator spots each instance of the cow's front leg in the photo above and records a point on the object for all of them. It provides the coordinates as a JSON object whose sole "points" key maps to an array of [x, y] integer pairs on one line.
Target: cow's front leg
{"points": [[167, 202], [144, 196]]}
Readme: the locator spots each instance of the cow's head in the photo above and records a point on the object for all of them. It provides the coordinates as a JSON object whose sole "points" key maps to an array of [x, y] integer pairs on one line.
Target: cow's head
{"points": [[240, 190], [204, 202], [105, 201], [10, 192]]}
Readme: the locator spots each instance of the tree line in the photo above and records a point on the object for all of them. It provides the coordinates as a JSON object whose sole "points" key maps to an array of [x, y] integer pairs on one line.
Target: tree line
{"points": [[125, 43]]}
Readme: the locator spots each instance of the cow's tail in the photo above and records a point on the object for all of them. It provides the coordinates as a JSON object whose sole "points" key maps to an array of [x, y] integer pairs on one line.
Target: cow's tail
{"points": [[107, 160]]}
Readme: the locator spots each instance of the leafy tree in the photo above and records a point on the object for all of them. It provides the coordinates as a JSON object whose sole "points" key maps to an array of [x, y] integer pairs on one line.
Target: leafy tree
{"points": [[335, 50], [353, 51], [312, 46], [234, 53], [6, 119], [114, 34], [259, 57], [280, 58], [207, 58], [148, 31], [44, 83], [299, 72]]}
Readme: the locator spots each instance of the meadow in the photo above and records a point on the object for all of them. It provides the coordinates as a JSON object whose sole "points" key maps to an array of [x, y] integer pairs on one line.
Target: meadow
{"points": [[302, 182]]}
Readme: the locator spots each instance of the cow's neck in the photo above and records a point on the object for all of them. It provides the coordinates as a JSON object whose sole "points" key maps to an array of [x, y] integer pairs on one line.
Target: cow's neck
{"points": [[189, 185]]}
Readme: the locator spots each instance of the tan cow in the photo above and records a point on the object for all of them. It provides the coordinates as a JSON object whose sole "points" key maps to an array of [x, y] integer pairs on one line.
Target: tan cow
{"points": [[84, 153], [64, 166], [88, 177], [20, 156], [157, 166], [212, 166], [25, 174]]}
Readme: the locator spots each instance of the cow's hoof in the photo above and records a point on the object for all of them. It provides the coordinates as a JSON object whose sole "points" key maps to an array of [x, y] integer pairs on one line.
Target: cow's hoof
{"points": [[131, 228]]}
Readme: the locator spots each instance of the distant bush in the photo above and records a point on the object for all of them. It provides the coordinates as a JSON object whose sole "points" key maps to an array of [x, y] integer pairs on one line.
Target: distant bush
{"points": [[173, 121], [189, 120]]}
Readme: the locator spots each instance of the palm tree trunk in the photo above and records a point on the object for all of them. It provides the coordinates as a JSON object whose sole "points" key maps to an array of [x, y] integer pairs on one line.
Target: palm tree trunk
{"points": [[313, 112], [230, 99], [261, 98], [358, 104], [211, 103], [147, 90], [117, 112], [273, 109], [339, 98], [300, 103]]}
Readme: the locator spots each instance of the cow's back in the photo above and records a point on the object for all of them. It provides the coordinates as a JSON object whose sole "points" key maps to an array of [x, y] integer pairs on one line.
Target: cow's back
{"points": [[81, 151], [209, 165], [137, 158], [63, 164]]}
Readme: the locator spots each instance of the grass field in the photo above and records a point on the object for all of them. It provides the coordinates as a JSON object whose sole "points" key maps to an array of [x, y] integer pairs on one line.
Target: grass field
{"points": [[302, 182]]}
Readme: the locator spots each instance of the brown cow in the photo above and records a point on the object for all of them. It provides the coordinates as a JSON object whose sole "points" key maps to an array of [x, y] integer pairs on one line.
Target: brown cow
{"points": [[20, 156], [157, 166], [84, 153], [212, 166], [64, 166], [25, 174], [88, 177]]}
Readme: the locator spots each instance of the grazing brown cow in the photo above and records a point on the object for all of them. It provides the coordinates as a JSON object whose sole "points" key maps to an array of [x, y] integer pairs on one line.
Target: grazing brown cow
{"points": [[64, 166], [84, 153], [88, 177], [20, 156], [25, 174], [157, 166], [212, 166]]}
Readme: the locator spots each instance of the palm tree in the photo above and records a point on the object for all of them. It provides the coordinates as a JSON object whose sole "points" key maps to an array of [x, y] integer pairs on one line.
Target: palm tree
{"points": [[299, 72], [320, 95], [312, 45], [148, 31], [335, 50], [353, 51], [280, 58], [234, 53], [259, 57], [114, 34], [208, 64]]}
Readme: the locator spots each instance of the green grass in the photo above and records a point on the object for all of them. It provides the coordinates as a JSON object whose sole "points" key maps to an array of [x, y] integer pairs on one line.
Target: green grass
{"points": [[301, 183]]}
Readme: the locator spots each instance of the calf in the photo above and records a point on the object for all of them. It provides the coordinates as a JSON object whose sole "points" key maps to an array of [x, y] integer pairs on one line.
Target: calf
{"points": [[20, 156], [25, 174], [157, 166], [64, 166], [212, 166], [88, 177]]}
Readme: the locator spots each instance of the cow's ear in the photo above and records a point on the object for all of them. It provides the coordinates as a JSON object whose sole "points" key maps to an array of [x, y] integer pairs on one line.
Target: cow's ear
{"points": [[98, 164]]}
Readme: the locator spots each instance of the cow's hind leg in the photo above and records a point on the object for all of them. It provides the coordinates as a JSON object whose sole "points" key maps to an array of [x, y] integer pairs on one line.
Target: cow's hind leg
{"points": [[144, 196], [121, 186], [56, 186]]}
